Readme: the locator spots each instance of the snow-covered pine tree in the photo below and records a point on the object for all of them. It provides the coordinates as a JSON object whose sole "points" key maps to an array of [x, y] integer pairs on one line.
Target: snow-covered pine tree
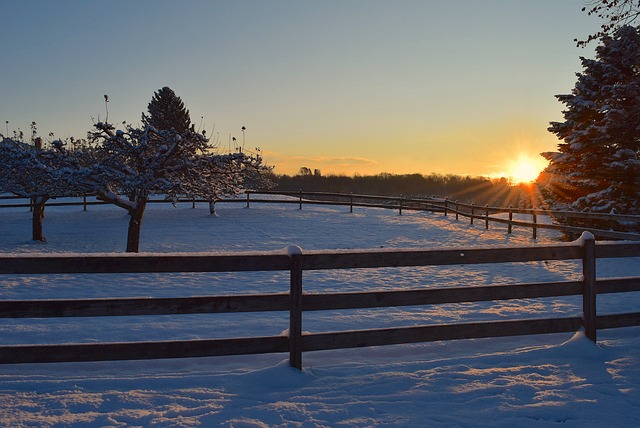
{"points": [[597, 166], [167, 112]]}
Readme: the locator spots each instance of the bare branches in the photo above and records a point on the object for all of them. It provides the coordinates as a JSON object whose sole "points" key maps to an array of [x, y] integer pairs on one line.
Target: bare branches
{"points": [[615, 13]]}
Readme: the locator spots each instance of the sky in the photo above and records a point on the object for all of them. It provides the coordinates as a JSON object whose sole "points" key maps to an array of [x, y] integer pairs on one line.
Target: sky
{"points": [[346, 87]]}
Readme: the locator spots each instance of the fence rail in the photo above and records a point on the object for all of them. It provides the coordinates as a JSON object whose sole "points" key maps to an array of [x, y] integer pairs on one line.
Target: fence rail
{"points": [[296, 302], [470, 211], [473, 212]]}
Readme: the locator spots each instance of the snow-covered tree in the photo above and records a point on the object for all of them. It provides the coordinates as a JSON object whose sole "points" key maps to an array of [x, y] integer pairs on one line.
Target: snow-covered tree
{"points": [[597, 166], [167, 112], [136, 163], [38, 174]]}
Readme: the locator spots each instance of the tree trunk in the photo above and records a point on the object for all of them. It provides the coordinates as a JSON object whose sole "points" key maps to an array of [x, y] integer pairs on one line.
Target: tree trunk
{"points": [[37, 217], [135, 223]]}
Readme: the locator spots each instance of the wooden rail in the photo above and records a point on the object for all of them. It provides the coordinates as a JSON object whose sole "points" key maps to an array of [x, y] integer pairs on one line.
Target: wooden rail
{"points": [[296, 302], [473, 212]]}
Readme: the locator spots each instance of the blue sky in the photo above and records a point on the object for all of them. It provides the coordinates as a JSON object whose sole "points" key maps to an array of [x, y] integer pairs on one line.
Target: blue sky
{"points": [[351, 86]]}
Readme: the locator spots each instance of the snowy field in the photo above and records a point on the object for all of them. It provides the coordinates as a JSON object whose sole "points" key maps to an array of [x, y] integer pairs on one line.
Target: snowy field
{"points": [[530, 381]]}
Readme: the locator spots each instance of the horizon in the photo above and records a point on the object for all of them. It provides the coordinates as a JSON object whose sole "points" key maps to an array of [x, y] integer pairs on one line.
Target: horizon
{"points": [[512, 180], [345, 88]]}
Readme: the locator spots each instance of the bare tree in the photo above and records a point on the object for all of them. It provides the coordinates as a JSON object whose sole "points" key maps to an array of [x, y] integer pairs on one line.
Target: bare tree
{"points": [[137, 163], [39, 174], [615, 13]]}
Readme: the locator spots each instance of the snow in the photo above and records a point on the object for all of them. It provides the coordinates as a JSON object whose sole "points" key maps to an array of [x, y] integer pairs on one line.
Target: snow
{"points": [[292, 250], [529, 381], [585, 236]]}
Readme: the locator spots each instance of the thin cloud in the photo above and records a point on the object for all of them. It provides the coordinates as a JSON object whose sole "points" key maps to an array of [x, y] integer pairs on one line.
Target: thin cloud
{"points": [[334, 160]]}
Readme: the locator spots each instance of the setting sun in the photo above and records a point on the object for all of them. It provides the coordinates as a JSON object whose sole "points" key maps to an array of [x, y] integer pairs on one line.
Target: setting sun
{"points": [[525, 169]]}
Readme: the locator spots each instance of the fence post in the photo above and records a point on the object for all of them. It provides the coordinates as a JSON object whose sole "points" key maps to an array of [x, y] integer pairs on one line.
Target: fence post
{"points": [[400, 203], [510, 219], [193, 202], [486, 216], [247, 199], [295, 308], [351, 202], [445, 206], [457, 208], [589, 286], [84, 202], [300, 193], [472, 210], [535, 221]]}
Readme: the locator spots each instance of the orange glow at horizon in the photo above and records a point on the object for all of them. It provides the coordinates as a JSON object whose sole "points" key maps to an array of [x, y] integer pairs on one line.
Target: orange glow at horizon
{"points": [[525, 169]]}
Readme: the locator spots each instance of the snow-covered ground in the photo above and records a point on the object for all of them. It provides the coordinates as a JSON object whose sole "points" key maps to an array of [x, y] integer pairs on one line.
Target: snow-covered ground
{"points": [[530, 381]]}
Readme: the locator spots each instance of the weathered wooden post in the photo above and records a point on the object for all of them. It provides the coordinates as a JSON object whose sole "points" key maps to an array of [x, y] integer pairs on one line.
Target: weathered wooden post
{"points": [[510, 227], [84, 202], [457, 207], [613, 223], [589, 287], [486, 216], [535, 222], [400, 205], [472, 212], [295, 308], [300, 193], [445, 206], [247, 199], [351, 202]]}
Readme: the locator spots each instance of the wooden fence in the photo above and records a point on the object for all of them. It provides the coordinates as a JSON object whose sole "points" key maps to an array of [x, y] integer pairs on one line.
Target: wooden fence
{"points": [[485, 214], [296, 302]]}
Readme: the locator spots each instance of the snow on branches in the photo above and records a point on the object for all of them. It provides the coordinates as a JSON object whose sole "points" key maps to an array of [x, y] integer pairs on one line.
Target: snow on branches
{"points": [[597, 165], [38, 174], [29, 172], [147, 161], [136, 163]]}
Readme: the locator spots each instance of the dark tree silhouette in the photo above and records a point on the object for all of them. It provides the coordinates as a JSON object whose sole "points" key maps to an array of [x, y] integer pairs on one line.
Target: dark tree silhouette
{"points": [[167, 112]]}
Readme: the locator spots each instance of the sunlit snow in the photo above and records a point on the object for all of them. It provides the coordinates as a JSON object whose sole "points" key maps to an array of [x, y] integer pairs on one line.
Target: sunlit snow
{"points": [[530, 381]]}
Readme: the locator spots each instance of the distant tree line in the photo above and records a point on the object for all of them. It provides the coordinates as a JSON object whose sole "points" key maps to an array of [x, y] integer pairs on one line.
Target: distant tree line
{"points": [[479, 190]]}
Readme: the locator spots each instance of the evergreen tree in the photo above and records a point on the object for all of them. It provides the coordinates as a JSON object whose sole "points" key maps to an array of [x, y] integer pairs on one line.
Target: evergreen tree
{"points": [[597, 166], [167, 112]]}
